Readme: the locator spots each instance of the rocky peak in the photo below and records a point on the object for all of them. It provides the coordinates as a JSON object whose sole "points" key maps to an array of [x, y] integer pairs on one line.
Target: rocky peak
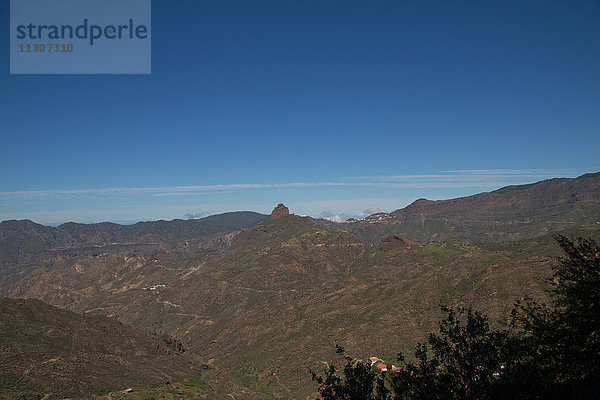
{"points": [[280, 211]]}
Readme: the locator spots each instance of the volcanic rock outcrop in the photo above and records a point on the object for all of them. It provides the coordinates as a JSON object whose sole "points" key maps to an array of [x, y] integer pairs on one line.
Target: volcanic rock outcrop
{"points": [[280, 211]]}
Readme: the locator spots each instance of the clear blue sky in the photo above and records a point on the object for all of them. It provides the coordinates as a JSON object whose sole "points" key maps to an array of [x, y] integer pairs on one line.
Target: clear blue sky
{"points": [[323, 105]]}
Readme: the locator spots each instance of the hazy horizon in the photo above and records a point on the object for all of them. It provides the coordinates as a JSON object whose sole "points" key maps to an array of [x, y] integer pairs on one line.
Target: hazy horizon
{"points": [[336, 215]]}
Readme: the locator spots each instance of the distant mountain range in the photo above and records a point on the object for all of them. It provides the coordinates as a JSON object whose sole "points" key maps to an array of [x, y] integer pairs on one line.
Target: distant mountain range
{"points": [[259, 300], [509, 213], [24, 243]]}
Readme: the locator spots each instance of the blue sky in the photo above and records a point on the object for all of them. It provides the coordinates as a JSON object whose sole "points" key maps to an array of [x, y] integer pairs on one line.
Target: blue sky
{"points": [[323, 105]]}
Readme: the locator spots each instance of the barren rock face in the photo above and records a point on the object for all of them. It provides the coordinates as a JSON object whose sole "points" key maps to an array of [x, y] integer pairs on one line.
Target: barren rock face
{"points": [[280, 211]]}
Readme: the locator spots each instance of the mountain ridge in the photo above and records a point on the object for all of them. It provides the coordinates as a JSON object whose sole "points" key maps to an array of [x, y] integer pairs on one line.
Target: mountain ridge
{"points": [[509, 213], [23, 242]]}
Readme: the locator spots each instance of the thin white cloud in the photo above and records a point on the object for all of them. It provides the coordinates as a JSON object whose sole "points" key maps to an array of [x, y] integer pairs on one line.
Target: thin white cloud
{"points": [[506, 171], [471, 175], [445, 179], [191, 190]]}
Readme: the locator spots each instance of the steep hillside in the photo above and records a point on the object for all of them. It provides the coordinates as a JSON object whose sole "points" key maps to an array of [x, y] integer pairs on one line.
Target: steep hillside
{"points": [[52, 353], [509, 213]]}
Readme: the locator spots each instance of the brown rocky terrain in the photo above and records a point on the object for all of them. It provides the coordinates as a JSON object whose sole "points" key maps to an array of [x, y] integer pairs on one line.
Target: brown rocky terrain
{"points": [[274, 305]]}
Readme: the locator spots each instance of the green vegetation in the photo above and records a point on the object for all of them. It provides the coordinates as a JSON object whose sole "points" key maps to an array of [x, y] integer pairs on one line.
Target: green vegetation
{"points": [[546, 353]]}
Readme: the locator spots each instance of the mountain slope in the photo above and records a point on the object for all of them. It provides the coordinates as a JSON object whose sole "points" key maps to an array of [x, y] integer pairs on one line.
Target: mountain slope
{"points": [[49, 351], [509, 213]]}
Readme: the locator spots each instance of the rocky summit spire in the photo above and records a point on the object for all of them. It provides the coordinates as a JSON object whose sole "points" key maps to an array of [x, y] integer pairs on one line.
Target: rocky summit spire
{"points": [[280, 211]]}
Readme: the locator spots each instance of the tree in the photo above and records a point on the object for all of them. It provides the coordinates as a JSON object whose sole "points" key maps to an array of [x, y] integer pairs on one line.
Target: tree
{"points": [[562, 343], [468, 360]]}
